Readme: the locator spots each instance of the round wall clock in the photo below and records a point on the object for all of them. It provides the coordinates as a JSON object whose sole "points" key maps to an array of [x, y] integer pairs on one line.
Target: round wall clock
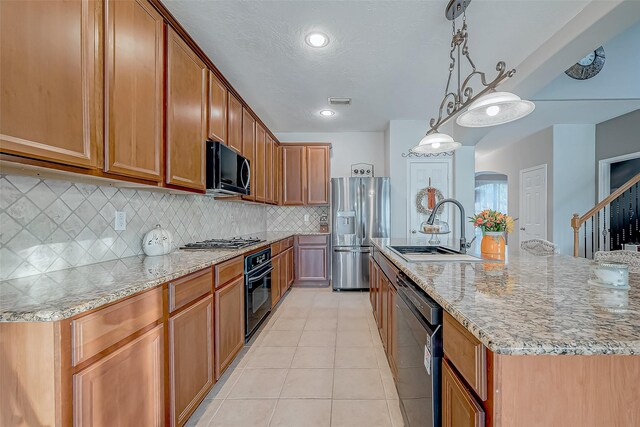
{"points": [[588, 66]]}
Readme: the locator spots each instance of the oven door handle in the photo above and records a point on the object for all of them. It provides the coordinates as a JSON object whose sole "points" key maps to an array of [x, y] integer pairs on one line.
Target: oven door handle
{"points": [[260, 277]]}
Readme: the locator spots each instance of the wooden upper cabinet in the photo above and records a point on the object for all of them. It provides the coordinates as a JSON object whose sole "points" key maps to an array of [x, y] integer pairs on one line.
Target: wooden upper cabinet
{"points": [[260, 160], [186, 114], [127, 384], [277, 174], [269, 176], [459, 407], [134, 89], [293, 175], [51, 81], [249, 148], [234, 121], [217, 109], [317, 175]]}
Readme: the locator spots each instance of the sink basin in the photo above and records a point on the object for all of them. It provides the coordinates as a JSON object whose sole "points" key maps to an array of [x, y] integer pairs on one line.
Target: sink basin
{"points": [[431, 254]]}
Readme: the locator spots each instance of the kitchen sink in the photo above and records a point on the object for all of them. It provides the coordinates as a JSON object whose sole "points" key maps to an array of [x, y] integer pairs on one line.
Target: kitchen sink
{"points": [[431, 254]]}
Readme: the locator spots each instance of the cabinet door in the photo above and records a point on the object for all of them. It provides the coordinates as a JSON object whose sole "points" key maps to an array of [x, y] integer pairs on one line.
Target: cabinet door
{"points": [[249, 149], [124, 388], [190, 358], [372, 286], [229, 324], [290, 269], [392, 345], [50, 81], [276, 274], [217, 109], [293, 176], [379, 278], [384, 308], [260, 161], [134, 89], [234, 123], [311, 264], [277, 170], [459, 407], [186, 114], [317, 175], [269, 175]]}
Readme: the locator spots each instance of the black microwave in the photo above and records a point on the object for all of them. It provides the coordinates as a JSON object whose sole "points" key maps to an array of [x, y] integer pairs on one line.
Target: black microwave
{"points": [[227, 171]]}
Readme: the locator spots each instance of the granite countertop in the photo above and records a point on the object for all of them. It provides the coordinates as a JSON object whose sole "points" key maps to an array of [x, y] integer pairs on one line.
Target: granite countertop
{"points": [[65, 293], [530, 304]]}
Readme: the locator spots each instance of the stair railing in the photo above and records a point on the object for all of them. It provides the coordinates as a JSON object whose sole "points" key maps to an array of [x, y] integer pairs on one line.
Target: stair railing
{"points": [[620, 206]]}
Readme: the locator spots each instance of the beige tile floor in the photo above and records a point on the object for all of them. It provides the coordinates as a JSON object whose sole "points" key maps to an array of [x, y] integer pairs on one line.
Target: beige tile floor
{"points": [[318, 361]]}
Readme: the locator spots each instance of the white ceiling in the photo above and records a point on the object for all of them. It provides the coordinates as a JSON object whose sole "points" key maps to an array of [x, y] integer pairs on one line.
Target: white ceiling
{"points": [[391, 57]]}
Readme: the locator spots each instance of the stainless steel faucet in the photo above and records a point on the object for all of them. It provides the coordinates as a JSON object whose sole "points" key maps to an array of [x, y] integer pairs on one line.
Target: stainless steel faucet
{"points": [[463, 240]]}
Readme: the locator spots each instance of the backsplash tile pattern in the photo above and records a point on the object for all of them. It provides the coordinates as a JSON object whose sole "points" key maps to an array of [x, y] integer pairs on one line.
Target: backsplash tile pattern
{"points": [[48, 225], [291, 218]]}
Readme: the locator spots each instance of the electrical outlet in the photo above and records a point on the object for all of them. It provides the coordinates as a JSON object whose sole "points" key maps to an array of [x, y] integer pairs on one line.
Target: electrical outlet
{"points": [[306, 217], [121, 221]]}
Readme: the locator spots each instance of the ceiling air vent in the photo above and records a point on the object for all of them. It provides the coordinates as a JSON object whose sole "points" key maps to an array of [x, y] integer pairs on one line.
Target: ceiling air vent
{"points": [[340, 101]]}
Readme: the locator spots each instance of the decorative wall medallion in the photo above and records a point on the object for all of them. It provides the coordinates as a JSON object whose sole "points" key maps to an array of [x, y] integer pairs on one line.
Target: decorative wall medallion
{"points": [[589, 66], [412, 154]]}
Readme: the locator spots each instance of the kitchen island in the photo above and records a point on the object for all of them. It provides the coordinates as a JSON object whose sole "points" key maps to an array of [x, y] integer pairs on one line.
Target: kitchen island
{"points": [[528, 340]]}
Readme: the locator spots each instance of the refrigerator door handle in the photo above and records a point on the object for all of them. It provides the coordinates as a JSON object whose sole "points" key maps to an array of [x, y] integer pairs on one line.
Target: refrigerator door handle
{"points": [[362, 222], [357, 250]]}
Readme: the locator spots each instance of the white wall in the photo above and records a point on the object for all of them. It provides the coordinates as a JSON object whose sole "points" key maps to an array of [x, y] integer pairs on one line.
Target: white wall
{"points": [[574, 156], [347, 148], [534, 150], [405, 134]]}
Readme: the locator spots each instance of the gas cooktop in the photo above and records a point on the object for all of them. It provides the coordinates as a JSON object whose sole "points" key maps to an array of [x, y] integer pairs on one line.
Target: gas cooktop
{"points": [[233, 243]]}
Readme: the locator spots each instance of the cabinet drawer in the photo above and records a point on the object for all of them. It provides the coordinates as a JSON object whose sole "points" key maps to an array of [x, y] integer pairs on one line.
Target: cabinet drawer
{"points": [[276, 248], [188, 288], [289, 243], [229, 270], [97, 331], [468, 355], [312, 240]]}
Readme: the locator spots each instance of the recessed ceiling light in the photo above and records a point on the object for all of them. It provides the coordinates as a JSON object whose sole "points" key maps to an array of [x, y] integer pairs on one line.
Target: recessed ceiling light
{"points": [[317, 39], [327, 113]]}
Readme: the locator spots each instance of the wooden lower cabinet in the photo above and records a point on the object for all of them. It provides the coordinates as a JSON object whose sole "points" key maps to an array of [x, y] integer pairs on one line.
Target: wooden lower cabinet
{"points": [[384, 308], [290, 267], [276, 277], [392, 345], [311, 259], [229, 324], [190, 358], [459, 406], [125, 388]]}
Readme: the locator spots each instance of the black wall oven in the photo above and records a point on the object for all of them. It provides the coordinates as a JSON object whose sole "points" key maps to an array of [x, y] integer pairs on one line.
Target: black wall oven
{"points": [[418, 329], [257, 293]]}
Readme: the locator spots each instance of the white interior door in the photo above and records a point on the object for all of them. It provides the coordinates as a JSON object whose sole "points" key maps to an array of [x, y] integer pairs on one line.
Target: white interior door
{"points": [[418, 174], [533, 203]]}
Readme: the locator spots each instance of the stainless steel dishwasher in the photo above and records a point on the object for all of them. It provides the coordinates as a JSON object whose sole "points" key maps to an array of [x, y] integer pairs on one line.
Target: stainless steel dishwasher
{"points": [[419, 345]]}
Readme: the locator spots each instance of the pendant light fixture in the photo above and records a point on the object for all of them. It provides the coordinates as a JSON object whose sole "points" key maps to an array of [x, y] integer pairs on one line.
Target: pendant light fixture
{"points": [[485, 108]]}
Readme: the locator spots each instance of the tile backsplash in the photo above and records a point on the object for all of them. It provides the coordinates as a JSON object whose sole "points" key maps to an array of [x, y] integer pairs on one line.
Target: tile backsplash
{"points": [[48, 225], [290, 218]]}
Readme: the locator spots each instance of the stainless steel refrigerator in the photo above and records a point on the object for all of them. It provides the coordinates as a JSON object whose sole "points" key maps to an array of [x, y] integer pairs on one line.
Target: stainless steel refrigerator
{"points": [[359, 212]]}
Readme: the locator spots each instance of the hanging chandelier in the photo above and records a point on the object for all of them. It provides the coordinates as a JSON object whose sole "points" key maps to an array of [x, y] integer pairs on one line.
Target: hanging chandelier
{"points": [[485, 108]]}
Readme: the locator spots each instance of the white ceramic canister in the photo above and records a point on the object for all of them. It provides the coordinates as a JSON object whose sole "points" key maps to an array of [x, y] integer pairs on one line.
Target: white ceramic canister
{"points": [[158, 241]]}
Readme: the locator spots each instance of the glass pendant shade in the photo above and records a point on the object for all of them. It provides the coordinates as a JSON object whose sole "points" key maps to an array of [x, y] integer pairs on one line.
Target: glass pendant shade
{"points": [[495, 108], [434, 143]]}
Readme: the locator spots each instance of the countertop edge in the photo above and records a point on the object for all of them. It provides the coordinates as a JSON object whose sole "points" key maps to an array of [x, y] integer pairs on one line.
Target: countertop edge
{"points": [[53, 314]]}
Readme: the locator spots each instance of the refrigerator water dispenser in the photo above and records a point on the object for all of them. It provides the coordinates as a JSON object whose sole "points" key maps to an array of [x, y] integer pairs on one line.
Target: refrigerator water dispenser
{"points": [[346, 223]]}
